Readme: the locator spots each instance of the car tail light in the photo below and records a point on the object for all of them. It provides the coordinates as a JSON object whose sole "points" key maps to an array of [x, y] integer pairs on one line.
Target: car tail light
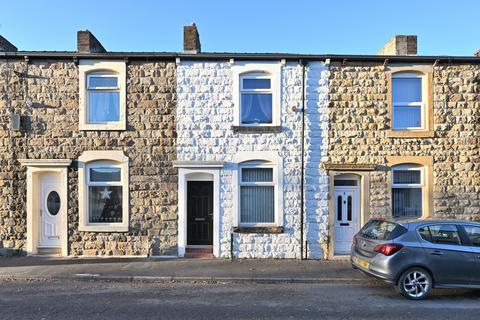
{"points": [[388, 249]]}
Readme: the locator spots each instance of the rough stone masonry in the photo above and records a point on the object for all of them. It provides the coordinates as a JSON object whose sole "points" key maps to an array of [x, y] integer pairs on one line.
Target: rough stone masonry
{"points": [[49, 129]]}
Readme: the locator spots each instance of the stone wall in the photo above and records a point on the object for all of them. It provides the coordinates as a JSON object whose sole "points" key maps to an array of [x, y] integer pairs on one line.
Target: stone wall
{"points": [[50, 130], [359, 124], [204, 126], [316, 148]]}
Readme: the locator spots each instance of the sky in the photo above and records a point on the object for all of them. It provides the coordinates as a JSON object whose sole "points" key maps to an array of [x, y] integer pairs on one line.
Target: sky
{"points": [[297, 26]]}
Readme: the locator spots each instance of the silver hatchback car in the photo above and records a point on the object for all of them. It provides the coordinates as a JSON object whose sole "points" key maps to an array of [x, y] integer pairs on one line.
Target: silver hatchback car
{"points": [[419, 255]]}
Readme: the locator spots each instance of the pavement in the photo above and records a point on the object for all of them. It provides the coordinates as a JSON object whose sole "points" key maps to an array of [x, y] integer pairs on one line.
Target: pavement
{"points": [[150, 269]]}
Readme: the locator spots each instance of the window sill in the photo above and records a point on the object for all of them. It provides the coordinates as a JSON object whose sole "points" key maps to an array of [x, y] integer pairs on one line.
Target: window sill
{"points": [[410, 134], [258, 229], [104, 228], [102, 127], [257, 129]]}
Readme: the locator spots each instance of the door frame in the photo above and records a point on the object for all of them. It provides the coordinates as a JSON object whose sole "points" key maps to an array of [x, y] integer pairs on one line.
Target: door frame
{"points": [[210, 173], [364, 195], [35, 168]]}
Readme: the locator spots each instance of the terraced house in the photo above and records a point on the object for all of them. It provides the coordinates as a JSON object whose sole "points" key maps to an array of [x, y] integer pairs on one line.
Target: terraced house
{"points": [[403, 138], [230, 154], [87, 140]]}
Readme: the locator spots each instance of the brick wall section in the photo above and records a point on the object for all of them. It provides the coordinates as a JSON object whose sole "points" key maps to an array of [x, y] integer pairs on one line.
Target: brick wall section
{"points": [[87, 43], [50, 130], [358, 134]]}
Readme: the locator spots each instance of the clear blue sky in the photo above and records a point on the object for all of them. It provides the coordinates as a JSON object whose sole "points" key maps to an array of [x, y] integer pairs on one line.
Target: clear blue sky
{"points": [[297, 26]]}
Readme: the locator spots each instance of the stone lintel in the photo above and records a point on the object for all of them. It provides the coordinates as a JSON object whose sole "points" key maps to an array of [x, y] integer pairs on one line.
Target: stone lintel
{"points": [[349, 166], [197, 164], [45, 162]]}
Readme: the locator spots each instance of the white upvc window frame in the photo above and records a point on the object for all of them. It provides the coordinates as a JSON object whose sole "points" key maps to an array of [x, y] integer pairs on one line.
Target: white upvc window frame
{"points": [[422, 104], [101, 68], [258, 159], [102, 159], [410, 167], [264, 70], [273, 183]]}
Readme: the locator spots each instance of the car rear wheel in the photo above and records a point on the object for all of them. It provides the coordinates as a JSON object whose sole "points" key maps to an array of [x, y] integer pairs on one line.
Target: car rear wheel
{"points": [[415, 283]]}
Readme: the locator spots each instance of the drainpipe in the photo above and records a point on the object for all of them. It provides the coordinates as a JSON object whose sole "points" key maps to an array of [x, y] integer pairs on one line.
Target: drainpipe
{"points": [[302, 175]]}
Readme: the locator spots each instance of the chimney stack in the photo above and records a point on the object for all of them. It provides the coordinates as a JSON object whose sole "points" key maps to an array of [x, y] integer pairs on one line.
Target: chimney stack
{"points": [[191, 39], [6, 46], [87, 43], [400, 45]]}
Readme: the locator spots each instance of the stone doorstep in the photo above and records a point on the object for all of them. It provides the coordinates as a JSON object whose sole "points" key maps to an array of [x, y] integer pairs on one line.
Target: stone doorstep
{"points": [[199, 253]]}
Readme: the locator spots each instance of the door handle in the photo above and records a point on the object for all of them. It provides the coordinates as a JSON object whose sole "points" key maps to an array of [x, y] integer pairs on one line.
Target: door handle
{"points": [[437, 253]]}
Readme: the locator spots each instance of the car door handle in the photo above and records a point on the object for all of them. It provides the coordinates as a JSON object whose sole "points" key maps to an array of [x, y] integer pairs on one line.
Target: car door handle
{"points": [[437, 253]]}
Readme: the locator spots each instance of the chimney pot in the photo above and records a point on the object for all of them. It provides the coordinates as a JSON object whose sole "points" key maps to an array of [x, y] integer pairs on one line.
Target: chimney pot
{"points": [[191, 39], [6, 46], [87, 43], [400, 45]]}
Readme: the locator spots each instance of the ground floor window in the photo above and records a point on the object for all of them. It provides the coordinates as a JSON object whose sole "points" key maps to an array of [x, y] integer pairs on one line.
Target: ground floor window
{"points": [[407, 190], [257, 193], [103, 191]]}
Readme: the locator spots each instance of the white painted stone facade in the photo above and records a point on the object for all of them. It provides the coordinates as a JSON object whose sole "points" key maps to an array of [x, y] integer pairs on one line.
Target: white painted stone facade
{"points": [[205, 116]]}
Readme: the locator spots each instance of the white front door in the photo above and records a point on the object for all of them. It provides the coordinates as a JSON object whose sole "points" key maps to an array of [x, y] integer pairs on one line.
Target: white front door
{"points": [[49, 204], [347, 218]]}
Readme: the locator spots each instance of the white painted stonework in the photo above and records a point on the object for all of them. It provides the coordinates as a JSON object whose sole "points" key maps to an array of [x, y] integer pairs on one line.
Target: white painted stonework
{"points": [[206, 113]]}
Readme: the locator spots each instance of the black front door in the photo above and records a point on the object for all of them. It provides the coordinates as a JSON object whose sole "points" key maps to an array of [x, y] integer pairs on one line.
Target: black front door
{"points": [[200, 212]]}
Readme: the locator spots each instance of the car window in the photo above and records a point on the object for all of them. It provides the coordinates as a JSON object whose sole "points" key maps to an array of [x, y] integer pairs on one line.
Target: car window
{"points": [[441, 234], [425, 234], [473, 234], [382, 230]]}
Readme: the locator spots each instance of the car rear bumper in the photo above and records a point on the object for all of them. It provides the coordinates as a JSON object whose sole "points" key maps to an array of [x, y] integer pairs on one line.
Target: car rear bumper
{"points": [[377, 268], [374, 274]]}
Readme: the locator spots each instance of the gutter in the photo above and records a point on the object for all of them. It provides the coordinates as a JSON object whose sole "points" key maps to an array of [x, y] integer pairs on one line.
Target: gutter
{"points": [[239, 56]]}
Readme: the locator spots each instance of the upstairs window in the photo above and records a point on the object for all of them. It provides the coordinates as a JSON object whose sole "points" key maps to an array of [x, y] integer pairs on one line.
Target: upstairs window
{"points": [[103, 94], [256, 99], [408, 101], [407, 191]]}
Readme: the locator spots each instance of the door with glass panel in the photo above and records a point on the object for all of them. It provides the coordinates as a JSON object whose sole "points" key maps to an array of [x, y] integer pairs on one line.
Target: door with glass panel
{"points": [[346, 214], [50, 204]]}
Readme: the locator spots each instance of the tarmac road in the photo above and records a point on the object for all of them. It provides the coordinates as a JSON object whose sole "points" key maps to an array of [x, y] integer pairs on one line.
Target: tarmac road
{"points": [[70, 299]]}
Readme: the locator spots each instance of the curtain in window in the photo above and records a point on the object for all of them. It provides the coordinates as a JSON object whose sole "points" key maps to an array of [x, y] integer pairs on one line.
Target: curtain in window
{"points": [[257, 174], [105, 204], [406, 176], [103, 106], [257, 204], [256, 108], [407, 202]]}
